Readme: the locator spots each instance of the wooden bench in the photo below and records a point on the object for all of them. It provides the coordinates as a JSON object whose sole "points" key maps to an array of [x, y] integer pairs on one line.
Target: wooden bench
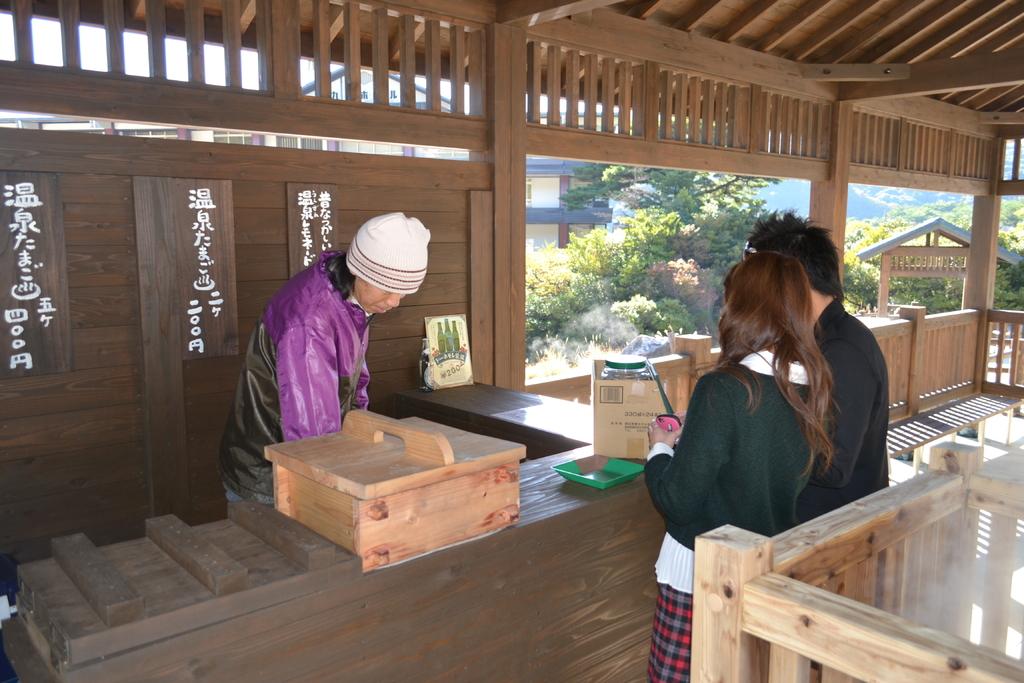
{"points": [[911, 434]]}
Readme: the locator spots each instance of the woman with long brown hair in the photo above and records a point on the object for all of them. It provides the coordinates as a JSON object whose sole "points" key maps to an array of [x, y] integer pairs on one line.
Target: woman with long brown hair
{"points": [[754, 429]]}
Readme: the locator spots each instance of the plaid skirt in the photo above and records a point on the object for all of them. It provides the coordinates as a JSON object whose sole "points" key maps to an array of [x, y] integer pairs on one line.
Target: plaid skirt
{"points": [[670, 640]]}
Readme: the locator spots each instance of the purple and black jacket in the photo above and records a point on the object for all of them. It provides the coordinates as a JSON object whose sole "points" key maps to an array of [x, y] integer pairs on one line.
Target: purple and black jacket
{"points": [[304, 369]]}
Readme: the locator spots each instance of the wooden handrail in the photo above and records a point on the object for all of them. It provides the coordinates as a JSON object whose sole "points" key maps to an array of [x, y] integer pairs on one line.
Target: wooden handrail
{"points": [[862, 641]]}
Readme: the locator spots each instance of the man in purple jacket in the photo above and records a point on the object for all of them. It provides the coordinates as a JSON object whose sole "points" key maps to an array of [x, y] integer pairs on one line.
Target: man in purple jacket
{"points": [[304, 367]]}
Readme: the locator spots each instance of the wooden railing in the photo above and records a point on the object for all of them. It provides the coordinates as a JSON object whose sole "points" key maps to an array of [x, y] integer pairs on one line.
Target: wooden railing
{"points": [[931, 359], [416, 60], [902, 144], [1004, 354], [881, 589]]}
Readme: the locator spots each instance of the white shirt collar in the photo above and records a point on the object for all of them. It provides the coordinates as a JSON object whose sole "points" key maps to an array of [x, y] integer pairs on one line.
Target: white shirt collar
{"points": [[762, 363]]}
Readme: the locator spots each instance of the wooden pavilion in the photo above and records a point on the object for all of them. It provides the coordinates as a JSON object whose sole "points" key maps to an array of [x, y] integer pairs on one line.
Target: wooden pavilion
{"points": [[115, 386], [932, 259]]}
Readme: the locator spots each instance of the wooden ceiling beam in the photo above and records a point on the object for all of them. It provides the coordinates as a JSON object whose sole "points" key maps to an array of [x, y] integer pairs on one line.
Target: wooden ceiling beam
{"points": [[798, 18], [942, 75], [1003, 118], [855, 72], [943, 34], [1007, 100], [871, 33], [248, 14], [919, 25], [526, 13], [835, 26], [695, 15], [645, 9], [999, 24], [745, 19], [983, 98]]}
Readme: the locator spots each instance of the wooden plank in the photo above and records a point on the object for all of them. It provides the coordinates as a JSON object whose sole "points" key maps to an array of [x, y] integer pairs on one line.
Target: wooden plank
{"points": [[531, 12], [534, 90], [353, 53], [156, 31], [113, 599], [607, 95], [69, 20], [284, 39], [210, 565], [65, 472], [481, 284], [231, 22], [407, 60], [837, 632], [679, 100], [381, 56], [476, 73], [572, 89], [36, 325], [162, 344], [195, 36], [97, 96], [291, 539], [67, 391], [585, 146], [626, 116], [457, 68], [554, 90], [322, 48], [590, 92], [264, 41], [72, 151], [727, 560], [787, 666], [113, 21], [850, 535], [664, 104]]}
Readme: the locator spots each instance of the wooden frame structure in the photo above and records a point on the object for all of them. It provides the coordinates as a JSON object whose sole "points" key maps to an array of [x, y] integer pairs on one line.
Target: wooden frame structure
{"points": [[829, 91], [867, 590]]}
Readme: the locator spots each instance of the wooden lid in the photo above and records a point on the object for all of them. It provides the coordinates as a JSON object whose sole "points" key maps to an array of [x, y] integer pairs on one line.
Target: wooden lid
{"points": [[374, 455]]}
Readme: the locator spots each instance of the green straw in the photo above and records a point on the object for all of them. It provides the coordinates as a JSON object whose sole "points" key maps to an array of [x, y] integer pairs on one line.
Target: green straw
{"points": [[661, 389]]}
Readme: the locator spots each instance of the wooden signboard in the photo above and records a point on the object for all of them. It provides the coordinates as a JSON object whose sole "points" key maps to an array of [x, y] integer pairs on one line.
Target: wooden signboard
{"points": [[312, 217], [34, 321], [196, 220]]}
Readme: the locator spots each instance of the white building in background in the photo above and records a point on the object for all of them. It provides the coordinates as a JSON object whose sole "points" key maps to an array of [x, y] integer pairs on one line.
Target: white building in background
{"points": [[547, 219]]}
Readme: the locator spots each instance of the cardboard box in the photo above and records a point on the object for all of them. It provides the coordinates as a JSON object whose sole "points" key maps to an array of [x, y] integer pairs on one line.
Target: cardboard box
{"points": [[622, 411]]}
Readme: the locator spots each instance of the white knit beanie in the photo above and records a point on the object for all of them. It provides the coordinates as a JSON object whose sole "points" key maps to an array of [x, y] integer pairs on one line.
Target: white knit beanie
{"points": [[390, 252]]}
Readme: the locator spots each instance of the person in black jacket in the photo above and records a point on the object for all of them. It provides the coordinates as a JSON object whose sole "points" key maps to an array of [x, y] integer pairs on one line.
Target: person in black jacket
{"points": [[860, 378]]}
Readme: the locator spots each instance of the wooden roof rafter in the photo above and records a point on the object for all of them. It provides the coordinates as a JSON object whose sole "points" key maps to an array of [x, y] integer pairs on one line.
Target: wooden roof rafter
{"points": [[998, 24], [806, 12], [745, 19], [836, 25], [645, 9], [696, 14], [526, 13], [920, 23], [944, 34], [888, 21]]}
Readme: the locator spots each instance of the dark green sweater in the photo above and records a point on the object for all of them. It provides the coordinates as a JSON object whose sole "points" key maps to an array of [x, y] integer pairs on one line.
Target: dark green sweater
{"points": [[731, 465]]}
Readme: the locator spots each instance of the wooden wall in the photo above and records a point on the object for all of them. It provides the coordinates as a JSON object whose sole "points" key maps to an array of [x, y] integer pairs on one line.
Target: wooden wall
{"points": [[74, 452]]}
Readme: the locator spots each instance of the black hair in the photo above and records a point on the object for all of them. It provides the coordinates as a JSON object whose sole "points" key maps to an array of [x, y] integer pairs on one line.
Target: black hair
{"points": [[789, 234], [341, 277]]}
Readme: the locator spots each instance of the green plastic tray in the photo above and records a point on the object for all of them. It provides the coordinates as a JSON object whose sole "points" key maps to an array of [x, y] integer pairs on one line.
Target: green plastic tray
{"points": [[599, 472]]}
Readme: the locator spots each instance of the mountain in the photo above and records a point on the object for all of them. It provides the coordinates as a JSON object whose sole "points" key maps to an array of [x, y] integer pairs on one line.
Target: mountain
{"points": [[865, 201]]}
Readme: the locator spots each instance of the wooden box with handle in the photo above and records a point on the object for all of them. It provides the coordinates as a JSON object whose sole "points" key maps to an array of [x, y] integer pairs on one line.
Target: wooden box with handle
{"points": [[389, 490]]}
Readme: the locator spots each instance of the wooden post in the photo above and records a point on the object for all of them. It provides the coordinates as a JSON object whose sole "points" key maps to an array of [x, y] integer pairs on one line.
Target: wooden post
{"points": [[506, 74], [957, 537], [284, 38], [883, 285], [915, 314], [649, 116], [698, 348], [828, 197], [979, 285], [727, 558]]}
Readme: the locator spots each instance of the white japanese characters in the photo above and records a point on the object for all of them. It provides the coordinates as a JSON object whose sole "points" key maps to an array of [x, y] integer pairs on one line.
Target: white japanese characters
{"points": [[200, 200], [314, 215], [29, 299]]}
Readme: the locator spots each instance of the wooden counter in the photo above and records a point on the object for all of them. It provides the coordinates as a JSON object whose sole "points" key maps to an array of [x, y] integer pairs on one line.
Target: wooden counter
{"points": [[543, 424], [567, 594]]}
